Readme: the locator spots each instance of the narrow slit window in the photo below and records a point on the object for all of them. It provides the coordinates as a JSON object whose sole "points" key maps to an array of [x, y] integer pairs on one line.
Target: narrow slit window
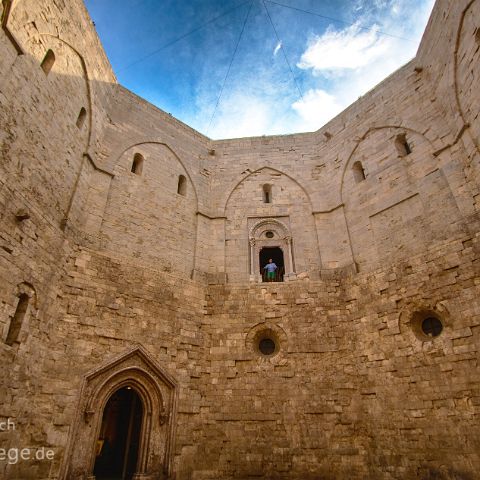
{"points": [[47, 62], [17, 319], [182, 185], [137, 165], [358, 172], [81, 118], [267, 193], [402, 145]]}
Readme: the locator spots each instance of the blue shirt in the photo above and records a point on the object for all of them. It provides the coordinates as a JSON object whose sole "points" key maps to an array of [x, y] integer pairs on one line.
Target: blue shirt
{"points": [[270, 267]]}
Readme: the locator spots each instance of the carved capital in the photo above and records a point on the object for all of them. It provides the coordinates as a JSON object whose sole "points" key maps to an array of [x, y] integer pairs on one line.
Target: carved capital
{"points": [[163, 417]]}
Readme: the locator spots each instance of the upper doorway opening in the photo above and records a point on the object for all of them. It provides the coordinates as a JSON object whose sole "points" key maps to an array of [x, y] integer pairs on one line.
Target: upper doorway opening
{"points": [[119, 439], [276, 254]]}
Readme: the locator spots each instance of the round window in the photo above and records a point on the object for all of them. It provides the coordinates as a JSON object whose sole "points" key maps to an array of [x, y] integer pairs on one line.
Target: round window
{"points": [[267, 346], [426, 325], [268, 343], [269, 234], [432, 327]]}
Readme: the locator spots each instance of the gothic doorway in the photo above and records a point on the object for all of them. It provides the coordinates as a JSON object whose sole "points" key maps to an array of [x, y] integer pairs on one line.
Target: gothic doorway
{"points": [[131, 402], [119, 439], [276, 254]]}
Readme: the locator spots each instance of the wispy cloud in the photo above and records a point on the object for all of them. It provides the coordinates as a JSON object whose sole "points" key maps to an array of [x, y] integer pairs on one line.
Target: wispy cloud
{"points": [[277, 48], [354, 60], [350, 49], [336, 65], [332, 64]]}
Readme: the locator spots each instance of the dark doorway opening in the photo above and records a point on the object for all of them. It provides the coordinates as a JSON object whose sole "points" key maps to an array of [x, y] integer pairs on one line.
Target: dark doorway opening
{"points": [[119, 440], [276, 254]]}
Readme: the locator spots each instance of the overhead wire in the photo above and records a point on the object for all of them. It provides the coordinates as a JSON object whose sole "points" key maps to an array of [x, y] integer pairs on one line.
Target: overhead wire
{"points": [[230, 66], [336, 20], [280, 42], [172, 42], [283, 50]]}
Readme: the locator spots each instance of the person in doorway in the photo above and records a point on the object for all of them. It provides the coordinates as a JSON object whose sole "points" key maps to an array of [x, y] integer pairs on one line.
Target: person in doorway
{"points": [[270, 268]]}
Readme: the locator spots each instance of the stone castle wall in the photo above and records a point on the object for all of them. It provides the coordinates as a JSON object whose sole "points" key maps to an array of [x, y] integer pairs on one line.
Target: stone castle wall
{"points": [[122, 271], [356, 393]]}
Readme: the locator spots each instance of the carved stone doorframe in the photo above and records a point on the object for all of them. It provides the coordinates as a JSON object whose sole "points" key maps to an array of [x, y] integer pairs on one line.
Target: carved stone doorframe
{"points": [[158, 393], [270, 233]]}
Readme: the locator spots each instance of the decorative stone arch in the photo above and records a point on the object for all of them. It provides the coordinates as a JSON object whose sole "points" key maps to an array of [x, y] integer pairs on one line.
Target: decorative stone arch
{"points": [[248, 173], [157, 391], [83, 64], [456, 80], [346, 168], [119, 154], [282, 239], [362, 138]]}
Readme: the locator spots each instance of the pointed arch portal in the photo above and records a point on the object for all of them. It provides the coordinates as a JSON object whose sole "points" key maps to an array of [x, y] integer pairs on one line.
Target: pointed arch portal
{"points": [[125, 425]]}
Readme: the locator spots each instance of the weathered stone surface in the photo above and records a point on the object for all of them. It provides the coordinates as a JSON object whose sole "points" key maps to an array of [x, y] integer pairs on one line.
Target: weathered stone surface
{"points": [[111, 276]]}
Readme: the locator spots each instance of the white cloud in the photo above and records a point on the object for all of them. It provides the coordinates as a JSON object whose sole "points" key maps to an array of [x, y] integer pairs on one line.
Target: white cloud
{"points": [[277, 48], [339, 66], [351, 48], [357, 60], [316, 108], [241, 115]]}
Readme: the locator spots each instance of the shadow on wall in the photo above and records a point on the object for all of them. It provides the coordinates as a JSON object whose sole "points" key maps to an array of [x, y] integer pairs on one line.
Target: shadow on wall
{"points": [[46, 114], [146, 210], [146, 207]]}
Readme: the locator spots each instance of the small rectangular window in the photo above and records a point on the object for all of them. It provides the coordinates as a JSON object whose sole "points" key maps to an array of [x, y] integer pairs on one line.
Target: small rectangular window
{"points": [[267, 193], [17, 319], [47, 62]]}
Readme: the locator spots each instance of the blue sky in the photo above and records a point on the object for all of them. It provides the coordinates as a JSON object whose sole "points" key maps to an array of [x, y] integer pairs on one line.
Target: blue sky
{"points": [[291, 77]]}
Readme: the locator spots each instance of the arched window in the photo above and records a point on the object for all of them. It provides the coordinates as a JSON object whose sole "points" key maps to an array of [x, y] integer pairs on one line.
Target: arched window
{"points": [[403, 147], [47, 62], [81, 118], [358, 172], [137, 165], [17, 319], [182, 185], [267, 193]]}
